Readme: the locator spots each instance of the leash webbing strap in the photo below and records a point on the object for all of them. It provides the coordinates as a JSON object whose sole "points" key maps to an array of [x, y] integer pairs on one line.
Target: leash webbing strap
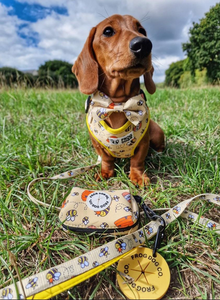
{"points": [[66, 275], [65, 175]]}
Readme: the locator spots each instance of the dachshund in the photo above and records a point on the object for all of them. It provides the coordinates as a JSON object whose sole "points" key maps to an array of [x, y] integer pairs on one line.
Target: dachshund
{"points": [[116, 53]]}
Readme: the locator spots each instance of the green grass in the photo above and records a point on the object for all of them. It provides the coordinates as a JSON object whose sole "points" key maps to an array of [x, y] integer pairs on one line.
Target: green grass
{"points": [[43, 133]]}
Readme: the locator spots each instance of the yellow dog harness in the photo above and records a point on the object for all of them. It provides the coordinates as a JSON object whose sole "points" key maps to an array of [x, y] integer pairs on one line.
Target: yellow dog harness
{"points": [[120, 142]]}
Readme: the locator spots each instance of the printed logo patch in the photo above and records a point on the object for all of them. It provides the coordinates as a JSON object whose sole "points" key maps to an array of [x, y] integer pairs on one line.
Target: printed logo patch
{"points": [[120, 141]]}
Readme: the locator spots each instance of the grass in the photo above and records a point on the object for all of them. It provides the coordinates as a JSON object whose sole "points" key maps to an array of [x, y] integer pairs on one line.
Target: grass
{"points": [[43, 133]]}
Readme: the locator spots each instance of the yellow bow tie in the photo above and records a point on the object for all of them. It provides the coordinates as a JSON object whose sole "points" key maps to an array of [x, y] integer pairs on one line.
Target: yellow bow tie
{"points": [[135, 109]]}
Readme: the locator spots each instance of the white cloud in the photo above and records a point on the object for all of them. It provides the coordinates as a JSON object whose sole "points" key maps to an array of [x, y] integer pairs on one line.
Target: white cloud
{"points": [[164, 62], [62, 36], [161, 64], [14, 51], [11, 45], [8, 25]]}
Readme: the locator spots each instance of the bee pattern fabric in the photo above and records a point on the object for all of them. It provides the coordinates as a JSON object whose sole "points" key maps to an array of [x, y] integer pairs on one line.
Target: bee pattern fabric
{"points": [[112, 211], [119, 142], [103, 255]]}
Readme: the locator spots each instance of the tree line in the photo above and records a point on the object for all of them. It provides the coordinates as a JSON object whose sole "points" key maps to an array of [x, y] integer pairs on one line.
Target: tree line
{"points": [[202, 64], [54, 73]]}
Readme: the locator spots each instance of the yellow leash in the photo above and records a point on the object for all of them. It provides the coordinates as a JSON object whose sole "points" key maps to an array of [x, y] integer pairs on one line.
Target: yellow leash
{"points": [[64, 286]]}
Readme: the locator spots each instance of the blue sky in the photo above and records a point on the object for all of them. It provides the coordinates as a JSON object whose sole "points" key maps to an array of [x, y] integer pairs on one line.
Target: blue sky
{"points": [[32, 12], [34, 31]]}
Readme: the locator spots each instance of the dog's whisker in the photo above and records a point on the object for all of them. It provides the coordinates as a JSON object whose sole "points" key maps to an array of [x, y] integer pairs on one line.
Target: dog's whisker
{"points": [[103, 73], [102, 82], [106, 12], [104, 17], [145, 18], [157, 67], [155, 56], [115, 62], [156, 62]]}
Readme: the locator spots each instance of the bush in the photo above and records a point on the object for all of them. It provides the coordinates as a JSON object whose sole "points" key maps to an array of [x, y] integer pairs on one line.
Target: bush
{"points": [[174, 73], [187, 80], [57, 73], [10, 76]]}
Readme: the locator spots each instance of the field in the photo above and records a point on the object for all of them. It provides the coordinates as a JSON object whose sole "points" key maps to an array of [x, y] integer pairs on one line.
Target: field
{"points": [[43, 133]]}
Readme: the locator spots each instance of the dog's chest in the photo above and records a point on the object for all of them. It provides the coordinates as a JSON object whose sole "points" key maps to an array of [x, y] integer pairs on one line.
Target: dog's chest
{"points": [[116, 120]]}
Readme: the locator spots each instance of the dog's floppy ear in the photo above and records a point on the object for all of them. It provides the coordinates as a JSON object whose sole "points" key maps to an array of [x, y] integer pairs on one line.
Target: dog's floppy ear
{"points": [[86, 68], [148, 81]]}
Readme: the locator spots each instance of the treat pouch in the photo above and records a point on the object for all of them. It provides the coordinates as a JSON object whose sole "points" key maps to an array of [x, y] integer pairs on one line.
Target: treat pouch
{"points": [[103, 211]]}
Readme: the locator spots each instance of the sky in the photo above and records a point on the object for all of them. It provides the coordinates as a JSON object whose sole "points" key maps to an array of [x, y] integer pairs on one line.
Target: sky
{"points": [[35, 31]]}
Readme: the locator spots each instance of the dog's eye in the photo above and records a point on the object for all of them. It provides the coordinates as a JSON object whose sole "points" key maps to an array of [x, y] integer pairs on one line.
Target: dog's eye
{"points": [[142, 31], [108, 32]]}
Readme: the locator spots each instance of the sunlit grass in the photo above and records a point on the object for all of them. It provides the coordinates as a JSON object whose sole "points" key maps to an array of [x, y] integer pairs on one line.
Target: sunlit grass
{"points": [[43, 133]]}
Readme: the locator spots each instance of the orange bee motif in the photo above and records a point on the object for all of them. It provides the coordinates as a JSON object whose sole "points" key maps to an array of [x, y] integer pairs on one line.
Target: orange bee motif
{"points": [[111, 105], [124, 222], [85, 194]]}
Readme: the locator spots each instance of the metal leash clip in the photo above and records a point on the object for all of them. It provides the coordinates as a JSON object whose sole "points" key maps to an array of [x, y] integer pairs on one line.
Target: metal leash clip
{"points": [[150, 214]]}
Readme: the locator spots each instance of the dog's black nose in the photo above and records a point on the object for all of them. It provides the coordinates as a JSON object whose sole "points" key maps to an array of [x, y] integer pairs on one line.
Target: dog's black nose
{"points": [[141, 47]]}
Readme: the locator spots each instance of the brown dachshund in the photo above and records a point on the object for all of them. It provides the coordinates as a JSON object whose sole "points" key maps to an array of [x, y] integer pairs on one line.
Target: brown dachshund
{"points": [[116, 53]]}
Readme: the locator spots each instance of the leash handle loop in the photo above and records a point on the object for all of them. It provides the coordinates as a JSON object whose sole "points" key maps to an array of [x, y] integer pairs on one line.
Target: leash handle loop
{"points": [[65, 175]]}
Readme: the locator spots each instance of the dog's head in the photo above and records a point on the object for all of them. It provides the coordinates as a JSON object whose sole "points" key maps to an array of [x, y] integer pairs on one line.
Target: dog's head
{"points": [[117, 47]]}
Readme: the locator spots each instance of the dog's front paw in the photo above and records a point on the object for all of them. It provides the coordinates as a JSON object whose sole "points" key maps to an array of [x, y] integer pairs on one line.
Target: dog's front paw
{"points": [[104, 175], [139, 179]]}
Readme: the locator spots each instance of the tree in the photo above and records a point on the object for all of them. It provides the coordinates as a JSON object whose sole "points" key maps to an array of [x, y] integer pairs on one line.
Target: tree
{"points": [[203, 48], [9, 76], [57, 73], [14, 78], [174, 73]]}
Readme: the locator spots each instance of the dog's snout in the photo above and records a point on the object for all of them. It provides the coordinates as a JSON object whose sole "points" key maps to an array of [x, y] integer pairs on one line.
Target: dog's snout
{"points": [[141, 47]]}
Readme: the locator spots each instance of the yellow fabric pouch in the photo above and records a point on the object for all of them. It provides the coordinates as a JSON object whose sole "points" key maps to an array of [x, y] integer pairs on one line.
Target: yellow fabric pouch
{"points": [[100, 211], [105, 211]]}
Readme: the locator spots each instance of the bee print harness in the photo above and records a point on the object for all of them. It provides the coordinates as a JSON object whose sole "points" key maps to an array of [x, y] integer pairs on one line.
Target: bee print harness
{"points": [[120, 142]]}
